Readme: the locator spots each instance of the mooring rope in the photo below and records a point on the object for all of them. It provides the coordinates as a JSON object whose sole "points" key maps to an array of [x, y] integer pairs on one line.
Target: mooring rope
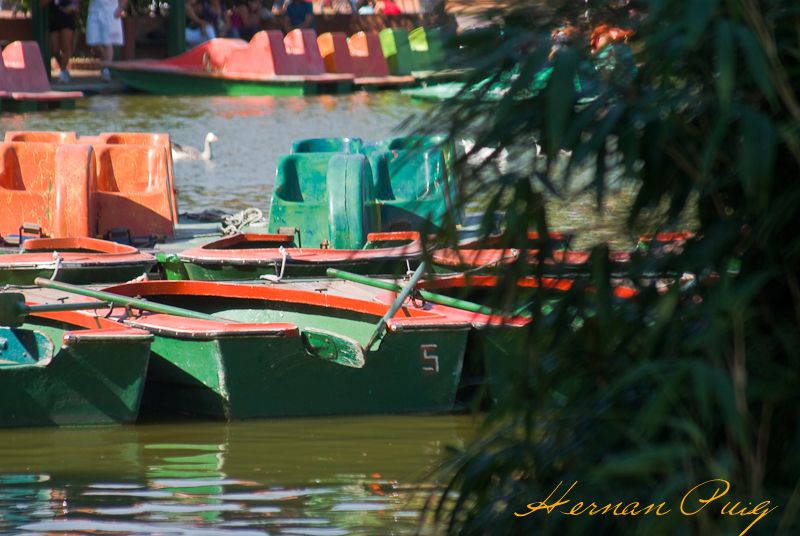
{"points": [[236, 222], [276, 278], [58, 260]]}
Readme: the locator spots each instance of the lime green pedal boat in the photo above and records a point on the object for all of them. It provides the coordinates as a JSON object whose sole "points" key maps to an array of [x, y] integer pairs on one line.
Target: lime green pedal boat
{"points": [[67, 368]]}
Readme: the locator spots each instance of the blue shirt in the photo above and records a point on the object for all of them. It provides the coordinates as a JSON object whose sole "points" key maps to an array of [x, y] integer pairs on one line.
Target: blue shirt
{"points": [[297, 12]]}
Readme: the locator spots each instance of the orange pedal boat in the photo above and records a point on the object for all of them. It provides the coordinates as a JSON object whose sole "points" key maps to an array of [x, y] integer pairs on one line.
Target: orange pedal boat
{"points": [[112, 184]]}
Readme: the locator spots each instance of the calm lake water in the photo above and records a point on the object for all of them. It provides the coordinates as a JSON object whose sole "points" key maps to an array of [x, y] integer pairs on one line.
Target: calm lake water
{"points": [[314, 477], [309, 477], [295, 477]]}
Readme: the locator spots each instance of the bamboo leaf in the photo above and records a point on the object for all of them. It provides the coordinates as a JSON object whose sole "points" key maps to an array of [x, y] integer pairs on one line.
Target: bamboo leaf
{"points": [[756, 62], [698, 16], [757, 153], [725, 63], [711, 151], [560, 100]]}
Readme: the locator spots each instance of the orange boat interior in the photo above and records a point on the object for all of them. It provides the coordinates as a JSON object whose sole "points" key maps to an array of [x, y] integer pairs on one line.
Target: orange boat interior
{"points": [[88, 186]]}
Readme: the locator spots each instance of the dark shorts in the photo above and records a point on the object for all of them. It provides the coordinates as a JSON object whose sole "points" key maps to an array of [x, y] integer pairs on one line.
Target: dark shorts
{"points": [[60, 20]]}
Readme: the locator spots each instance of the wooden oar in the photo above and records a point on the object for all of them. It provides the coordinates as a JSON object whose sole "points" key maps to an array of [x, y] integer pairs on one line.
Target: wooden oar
{"points": [[401, 297], [124, 301], [13, 308], [424, 294], [318, 343]]}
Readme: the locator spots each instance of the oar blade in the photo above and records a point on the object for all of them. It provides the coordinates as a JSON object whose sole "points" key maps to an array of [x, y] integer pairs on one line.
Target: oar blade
{"points": [[333, 347]]}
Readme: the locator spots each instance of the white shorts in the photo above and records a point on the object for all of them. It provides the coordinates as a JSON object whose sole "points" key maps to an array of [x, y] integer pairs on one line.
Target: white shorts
{"points": [[103, 28]]}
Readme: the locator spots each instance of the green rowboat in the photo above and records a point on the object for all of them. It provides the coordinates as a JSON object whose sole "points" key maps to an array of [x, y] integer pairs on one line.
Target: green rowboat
{"points": [[277, 352], [78, 260], [69, 368], [244, 257]]}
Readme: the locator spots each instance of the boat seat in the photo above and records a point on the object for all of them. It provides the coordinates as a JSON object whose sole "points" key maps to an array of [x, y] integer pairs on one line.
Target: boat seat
{"points": [[23, 346], [264, 54], [303, 53], [411, 187], [328, 145], [41, 137], [426, 48], [361, 54], [367, 55], [328, 196], [48, 185], [158, 139], [397, 51], [131, 190], [335, 52], [23, 75]]}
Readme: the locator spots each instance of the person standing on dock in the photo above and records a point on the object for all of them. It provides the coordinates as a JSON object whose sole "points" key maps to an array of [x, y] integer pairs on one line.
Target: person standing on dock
{"points": [[104, 29], [61, 24], [298, 14]]}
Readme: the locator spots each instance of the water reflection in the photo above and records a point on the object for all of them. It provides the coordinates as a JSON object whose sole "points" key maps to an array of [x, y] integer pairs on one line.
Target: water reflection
{"points": [[303, 477]]}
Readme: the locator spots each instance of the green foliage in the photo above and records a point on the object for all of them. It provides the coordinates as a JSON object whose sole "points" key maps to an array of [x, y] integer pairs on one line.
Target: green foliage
{"points": [[642, 399]]}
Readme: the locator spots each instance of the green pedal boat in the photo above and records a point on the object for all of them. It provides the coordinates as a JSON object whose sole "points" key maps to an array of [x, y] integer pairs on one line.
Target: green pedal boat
{"points": [[68, 368], [275, 352], [333, 192]]}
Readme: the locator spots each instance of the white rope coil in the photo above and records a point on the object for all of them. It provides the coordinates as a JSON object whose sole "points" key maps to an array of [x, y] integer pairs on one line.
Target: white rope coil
{"points": [[236, 222]]}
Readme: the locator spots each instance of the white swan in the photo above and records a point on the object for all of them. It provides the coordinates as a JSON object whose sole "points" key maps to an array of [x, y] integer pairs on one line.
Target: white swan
{"points": [[184, 152]]}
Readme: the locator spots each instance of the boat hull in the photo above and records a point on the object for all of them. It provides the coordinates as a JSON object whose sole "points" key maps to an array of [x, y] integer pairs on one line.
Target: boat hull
{"points": [[79, 275], [242, 379], [77, 260], [231, 272], [416, 367], [177, 83], [91, 378], [245, 257]]}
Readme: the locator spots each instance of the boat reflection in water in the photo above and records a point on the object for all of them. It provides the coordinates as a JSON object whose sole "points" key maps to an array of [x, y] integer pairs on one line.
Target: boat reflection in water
{"points": [[309, 476]]}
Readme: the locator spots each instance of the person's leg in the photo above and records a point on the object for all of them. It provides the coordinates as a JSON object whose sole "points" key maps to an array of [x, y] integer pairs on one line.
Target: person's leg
{"points": [[55, 43], [64, 48], [107, 52]]}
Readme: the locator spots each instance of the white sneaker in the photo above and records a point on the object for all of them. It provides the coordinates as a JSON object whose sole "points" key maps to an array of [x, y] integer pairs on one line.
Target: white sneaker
{"points": [[64, 77], [105, 74]]}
